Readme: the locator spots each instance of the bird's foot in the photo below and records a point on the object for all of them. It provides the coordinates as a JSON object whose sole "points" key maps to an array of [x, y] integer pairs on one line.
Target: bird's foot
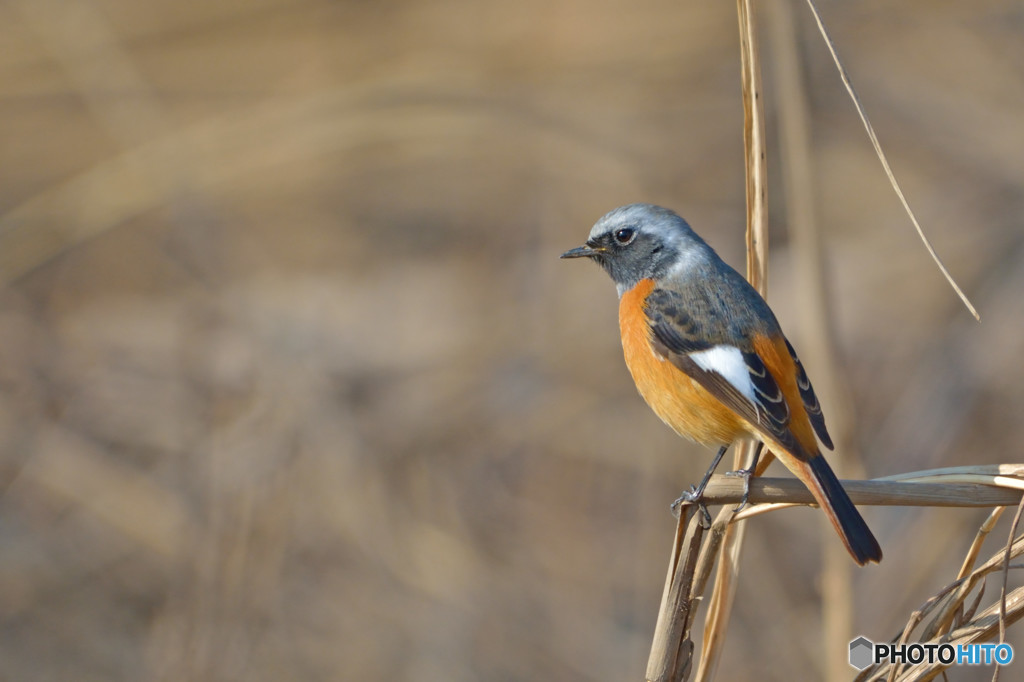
{"points": [[746, 474], [693, 496]]}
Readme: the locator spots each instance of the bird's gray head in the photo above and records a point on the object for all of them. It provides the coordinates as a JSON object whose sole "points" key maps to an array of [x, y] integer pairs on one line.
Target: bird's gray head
{"points": [[640, 241]]}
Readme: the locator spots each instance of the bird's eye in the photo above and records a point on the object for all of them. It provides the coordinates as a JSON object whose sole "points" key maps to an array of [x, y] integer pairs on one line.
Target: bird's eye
{"points": [[624, 235]]}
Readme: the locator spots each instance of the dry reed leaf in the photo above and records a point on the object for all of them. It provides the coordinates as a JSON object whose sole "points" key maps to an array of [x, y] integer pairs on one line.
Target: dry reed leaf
{"points": [[969, 626], [885, 162]]}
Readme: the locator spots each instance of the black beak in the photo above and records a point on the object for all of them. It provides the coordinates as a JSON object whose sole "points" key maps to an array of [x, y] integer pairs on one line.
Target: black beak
{"points": [[585, 251]]}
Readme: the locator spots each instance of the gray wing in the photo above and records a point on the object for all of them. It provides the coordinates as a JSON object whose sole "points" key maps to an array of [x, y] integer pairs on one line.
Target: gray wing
{"points": [[676, 335]]}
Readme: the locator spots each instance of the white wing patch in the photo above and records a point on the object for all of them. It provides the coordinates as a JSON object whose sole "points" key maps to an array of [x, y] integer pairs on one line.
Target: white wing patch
{"points": [[727, 361]]}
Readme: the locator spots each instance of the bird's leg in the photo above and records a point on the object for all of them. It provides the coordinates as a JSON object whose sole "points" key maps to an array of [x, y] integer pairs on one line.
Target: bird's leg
{"points": [[694, 494], [746, 474]]}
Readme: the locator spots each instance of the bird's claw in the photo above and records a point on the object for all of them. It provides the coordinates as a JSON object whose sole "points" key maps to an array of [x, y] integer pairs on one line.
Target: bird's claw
{"points": [[693, 496], [746, 474]]}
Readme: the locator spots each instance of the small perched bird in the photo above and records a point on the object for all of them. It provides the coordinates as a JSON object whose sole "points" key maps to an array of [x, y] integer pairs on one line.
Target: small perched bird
{"points": [[708, 356]]}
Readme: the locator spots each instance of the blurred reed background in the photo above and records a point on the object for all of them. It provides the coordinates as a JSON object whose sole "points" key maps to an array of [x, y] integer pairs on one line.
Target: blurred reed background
{"points": [[293, 385]]}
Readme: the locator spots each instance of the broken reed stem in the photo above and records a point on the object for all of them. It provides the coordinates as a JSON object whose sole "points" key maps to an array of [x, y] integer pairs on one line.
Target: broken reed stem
{"points": [[672, 649]]}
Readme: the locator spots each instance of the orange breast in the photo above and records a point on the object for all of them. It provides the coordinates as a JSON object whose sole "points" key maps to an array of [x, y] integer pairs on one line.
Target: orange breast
{"points": [[679, 401]]}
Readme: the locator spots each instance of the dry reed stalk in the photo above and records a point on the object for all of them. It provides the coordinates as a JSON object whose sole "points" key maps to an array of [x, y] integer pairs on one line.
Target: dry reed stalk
{"points": [[779, 492], [723, 593], [754, 150], [677, 602]]}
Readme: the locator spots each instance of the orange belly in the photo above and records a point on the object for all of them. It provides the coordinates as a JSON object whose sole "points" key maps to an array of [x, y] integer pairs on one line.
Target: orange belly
{"points": [[677, 399]]}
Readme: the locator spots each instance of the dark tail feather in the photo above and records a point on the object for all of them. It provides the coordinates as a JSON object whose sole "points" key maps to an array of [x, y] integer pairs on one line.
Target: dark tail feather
{"points": [[848, 522]]}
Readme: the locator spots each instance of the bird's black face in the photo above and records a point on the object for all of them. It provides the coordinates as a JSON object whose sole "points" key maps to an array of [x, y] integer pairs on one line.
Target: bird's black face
{"points": [[628, 252]]}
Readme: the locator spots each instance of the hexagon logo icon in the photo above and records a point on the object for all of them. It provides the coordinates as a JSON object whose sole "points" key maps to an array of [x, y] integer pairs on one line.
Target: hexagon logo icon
{"points": [[861, 653]]}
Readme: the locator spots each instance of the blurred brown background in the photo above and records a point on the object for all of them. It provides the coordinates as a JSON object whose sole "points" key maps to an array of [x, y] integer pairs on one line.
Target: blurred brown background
{"points": [[293, 385]]}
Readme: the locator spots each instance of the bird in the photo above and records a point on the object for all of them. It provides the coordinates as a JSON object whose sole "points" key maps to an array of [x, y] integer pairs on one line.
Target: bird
{"points": [[708, 356]]}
